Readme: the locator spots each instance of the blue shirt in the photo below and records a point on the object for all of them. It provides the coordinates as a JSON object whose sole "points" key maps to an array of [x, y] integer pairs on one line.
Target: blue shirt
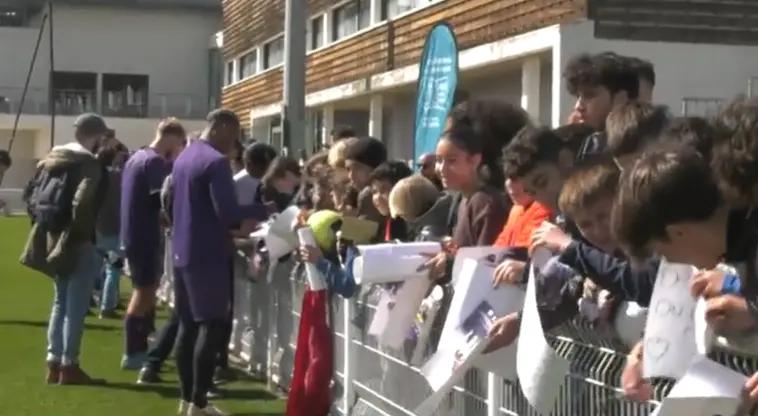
{"points": [[141, 184]]}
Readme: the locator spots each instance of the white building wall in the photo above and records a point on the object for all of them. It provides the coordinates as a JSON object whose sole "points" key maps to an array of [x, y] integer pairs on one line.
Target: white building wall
{"points": [[682, 69], [169, 45]]}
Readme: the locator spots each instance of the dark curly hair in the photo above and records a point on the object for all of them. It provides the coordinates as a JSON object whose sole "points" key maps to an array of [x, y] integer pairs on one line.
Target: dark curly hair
{"points": [[393, 172], [529, 148], [608, 70], [485, 127], [734, 157]]}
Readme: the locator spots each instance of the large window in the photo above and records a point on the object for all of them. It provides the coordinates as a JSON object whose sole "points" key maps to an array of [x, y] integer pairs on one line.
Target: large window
{"points": [[350, 18], [74, 92], [229, 73], [11, 17], [315, 34], [248, 64], [392, 8], [125, 95], [273, 53]]}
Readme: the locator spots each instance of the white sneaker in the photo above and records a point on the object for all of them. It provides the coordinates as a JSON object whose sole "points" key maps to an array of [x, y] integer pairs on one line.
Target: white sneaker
{"points": [[209, 410], [183, 408]]}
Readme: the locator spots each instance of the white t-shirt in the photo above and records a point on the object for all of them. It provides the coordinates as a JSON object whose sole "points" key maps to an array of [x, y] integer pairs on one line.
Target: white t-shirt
{"points": [[246, 187]]}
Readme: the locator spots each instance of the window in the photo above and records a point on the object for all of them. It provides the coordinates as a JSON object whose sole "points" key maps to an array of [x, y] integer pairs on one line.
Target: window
{"points": [[11, 17], [248, 64], [315, 35], [392, 8], [229, 73], [351, 18], [125, 95], [273, 53], [74, 92]]}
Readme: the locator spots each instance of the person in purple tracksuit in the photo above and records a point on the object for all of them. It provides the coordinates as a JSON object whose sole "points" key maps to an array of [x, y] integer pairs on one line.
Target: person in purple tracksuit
{"points": [[142, 180], [205, 212]]}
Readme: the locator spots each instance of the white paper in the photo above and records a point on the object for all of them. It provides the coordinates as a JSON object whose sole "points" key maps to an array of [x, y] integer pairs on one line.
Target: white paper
{"points": [[448, 365], [402, 316], [541, 371], [316, 281], [705, 338], [670, 331], [387, 263], [629, 323], [706, 389], [476, 253], [427, 314], [474, 285], [279, 234]]}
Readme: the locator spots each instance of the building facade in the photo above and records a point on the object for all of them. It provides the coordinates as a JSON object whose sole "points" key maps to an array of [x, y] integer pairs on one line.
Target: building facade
{"points": [[362, 58], [134, 64]]}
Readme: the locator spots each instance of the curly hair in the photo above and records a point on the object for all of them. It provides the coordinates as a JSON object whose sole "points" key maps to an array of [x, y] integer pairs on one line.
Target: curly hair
{"points": [[631, 127], [529, 148], [734, 157], [608, 70]]}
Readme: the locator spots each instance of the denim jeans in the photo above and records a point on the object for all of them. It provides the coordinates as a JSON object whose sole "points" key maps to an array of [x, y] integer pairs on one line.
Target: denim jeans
{"points": [[110, 287], [70, 305]]}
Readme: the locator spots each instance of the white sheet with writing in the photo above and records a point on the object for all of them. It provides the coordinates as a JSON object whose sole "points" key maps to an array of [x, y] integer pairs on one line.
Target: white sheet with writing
{"points": [[475, 305], [541, 371], [670, 339], [387, 263], [706, 389]]}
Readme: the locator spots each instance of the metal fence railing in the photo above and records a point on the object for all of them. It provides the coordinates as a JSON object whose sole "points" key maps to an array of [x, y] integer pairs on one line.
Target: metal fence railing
{"points": [[370, 380]]}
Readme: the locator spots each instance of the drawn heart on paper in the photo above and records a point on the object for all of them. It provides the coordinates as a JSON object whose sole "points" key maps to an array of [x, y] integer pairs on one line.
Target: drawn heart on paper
{"points": [[656, 347]]}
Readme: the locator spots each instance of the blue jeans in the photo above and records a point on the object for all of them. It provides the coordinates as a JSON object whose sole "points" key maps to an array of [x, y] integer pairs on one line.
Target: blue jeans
{"points": [[70, 305], [110, 287]]}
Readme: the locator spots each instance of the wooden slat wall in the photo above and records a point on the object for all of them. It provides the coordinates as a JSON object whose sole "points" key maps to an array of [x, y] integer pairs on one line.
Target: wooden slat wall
{"points": [[393, 45], [704, 21], [247, 23]]}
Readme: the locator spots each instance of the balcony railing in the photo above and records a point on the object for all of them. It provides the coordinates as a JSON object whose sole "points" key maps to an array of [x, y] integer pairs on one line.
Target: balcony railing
{"points": [[74, 102]]}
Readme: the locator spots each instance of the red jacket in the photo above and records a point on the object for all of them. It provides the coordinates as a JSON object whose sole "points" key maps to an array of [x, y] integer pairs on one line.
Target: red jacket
{"points": [[522, 221]]}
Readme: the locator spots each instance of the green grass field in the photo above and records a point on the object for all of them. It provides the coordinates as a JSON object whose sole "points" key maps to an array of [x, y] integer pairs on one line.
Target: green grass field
{"points": [[25, 299]]}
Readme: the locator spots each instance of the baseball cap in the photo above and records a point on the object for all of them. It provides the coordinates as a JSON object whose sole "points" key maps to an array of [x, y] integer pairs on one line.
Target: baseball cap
{"points": [[90, 124]]}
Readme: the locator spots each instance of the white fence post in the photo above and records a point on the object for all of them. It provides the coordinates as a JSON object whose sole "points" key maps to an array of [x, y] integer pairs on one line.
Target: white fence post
{"points": [[494, 394], [348, 397]]}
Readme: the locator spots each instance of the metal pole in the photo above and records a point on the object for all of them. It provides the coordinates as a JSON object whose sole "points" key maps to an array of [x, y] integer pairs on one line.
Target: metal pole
{"points": [[293, 109], [26, 84], [51, 91]]}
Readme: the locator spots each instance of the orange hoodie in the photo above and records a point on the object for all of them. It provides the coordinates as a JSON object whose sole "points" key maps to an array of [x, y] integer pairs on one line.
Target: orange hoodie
{"points": [[522, 221]]}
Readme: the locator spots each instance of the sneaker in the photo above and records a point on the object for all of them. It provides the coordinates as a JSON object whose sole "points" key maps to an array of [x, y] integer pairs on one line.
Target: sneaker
{"points": [[183, 408], [208, 410], [214, 393], [53, 372], [109, 314], [74, 375], [149, 376], [135, 362], [224, 375]]}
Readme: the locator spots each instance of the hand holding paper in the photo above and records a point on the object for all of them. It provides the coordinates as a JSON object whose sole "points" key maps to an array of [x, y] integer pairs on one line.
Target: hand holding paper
{"points": [[386, 263], [316, 281]]}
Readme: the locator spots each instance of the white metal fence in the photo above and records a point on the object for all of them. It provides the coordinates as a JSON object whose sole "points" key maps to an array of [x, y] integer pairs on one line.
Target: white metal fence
{"points": [[372, 381]]}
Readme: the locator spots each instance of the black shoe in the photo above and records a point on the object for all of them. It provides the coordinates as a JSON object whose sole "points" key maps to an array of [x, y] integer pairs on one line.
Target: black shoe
{"points": [[149, 376], [223, 375]]}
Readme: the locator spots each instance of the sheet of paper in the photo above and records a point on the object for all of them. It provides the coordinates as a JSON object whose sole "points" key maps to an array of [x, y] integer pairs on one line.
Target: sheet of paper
{"points": [[705, 338], [403, 314], [706, 389], [386, 263], [670, 330], [541, 371], [447, 366], [474, 285], [486, 253], [315, 280]]}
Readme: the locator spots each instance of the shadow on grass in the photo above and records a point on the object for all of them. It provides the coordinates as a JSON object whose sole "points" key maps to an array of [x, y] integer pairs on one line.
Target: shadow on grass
{"points": [[43, 324], [172, 391]]}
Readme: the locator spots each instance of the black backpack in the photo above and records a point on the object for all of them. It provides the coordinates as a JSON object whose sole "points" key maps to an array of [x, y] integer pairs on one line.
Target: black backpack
{"points": [[52, 196]]}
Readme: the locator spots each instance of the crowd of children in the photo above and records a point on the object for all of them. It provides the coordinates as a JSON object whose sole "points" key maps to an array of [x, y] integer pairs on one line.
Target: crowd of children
{"points": [[621, 186]]}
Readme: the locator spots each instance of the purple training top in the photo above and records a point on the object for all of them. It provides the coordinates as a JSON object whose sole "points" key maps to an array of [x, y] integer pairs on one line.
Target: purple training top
{"points": [[205, 210], [141, 183]]}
